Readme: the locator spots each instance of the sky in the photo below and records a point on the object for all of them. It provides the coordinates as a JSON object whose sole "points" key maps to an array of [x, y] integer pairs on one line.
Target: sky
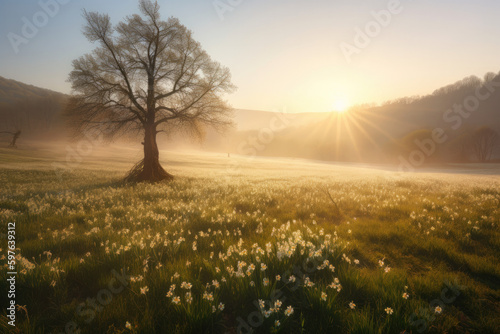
{"points": [[293, 55]]}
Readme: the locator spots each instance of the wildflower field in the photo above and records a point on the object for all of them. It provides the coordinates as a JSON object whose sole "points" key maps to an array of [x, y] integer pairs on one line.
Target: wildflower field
{"points": [[240, 245]]}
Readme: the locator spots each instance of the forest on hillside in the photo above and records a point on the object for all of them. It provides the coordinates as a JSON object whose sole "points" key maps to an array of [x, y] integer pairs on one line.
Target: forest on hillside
{"points": [[367, 133]]}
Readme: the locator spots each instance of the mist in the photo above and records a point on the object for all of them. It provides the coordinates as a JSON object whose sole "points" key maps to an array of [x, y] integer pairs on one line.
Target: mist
{"points": [[235, 167]]}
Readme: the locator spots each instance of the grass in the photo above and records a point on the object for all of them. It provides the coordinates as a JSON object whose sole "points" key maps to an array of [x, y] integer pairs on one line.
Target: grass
{"points": [[237, 237]]}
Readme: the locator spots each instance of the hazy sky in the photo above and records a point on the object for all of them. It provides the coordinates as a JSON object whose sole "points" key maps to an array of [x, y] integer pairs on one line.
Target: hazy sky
{"points": [[283, 53]]}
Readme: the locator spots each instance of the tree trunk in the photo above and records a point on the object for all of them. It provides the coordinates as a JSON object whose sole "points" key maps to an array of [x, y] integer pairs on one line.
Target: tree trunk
{"points": [[149, 169], [153, 171]]}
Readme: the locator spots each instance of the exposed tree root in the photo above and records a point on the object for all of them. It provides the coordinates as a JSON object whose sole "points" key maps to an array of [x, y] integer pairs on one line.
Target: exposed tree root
{"points": [[155, 173]]}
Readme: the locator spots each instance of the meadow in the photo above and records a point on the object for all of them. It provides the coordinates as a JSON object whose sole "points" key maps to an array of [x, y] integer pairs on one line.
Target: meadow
{"points": [[240, 245]]}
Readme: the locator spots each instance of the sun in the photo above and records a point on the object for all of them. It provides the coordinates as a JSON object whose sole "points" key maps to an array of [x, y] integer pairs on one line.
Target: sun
{"points": [[340, 105]]}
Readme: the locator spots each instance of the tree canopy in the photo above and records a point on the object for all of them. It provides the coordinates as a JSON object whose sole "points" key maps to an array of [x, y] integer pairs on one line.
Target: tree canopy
{"points": [[147, 75]]}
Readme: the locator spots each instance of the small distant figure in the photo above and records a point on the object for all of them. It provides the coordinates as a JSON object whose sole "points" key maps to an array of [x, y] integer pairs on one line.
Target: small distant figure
{"points": [[229, 155]]}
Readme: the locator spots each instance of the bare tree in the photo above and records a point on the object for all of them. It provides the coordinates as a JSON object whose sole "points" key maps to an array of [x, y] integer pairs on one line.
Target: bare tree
{"points": [[484, 142], [11, 126], [150, 76], [15, 137]]}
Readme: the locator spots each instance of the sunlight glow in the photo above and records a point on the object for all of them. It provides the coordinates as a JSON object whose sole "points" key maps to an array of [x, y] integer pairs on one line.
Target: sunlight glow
{"points": [[340, 105]]}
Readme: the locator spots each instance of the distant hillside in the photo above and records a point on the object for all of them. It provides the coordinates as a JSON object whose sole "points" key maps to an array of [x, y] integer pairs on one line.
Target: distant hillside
{"points": [[365, 133], [33, 110], [255, 119], [383, 133], [12, 91]]}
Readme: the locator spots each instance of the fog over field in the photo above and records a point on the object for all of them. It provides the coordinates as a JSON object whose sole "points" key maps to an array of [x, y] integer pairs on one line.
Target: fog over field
{"points": [[236, 167], [400, 132], [382, 241]]}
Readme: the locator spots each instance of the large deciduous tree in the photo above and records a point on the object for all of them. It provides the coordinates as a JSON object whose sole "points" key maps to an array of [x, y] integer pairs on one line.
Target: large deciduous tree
{"points": [[146, 75]]}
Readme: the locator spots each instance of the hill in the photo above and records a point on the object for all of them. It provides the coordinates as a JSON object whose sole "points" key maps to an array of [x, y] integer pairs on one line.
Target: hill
{"points": [[255, 119], [383, 133], [364, 133], [33, 110]]}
